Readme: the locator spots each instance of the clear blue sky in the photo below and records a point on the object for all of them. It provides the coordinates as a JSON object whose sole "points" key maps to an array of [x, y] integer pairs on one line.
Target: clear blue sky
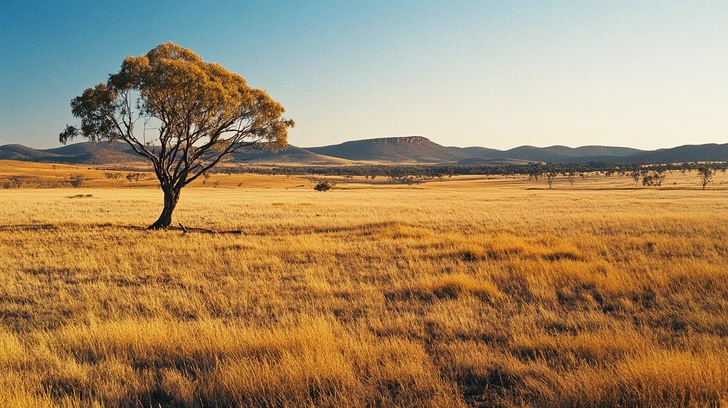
{"points": [[501, 74]]}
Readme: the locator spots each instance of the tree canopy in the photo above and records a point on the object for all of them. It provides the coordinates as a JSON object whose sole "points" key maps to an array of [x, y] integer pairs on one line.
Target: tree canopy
{"points": [[181, 113]]}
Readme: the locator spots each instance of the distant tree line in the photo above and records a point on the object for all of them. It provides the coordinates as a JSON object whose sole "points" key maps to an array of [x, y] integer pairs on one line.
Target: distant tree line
{"points": [[649, 175], [646, 173]]}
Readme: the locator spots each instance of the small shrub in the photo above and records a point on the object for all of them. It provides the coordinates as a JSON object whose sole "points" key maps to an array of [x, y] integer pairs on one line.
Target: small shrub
{"points": [[324, 186], [653, 179], [134, 177], [76, 180], [17, 181]]}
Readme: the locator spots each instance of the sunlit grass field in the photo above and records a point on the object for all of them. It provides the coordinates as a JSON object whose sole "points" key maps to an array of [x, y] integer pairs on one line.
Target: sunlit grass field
{"points": [[464, 292]]}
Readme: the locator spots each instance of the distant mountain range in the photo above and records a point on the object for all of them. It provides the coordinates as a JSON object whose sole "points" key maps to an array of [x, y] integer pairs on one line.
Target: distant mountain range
{"points": [[78, 153], [405, 150]]}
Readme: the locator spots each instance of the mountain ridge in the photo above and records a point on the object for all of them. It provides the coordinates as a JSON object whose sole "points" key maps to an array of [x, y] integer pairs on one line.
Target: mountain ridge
{"points": [[392, 150], [403, 149]]}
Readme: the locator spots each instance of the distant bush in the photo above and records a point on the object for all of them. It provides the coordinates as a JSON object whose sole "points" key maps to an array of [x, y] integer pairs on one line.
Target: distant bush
{"points": [[654, 179], [16, 181], [324, 186], [134, 177], [76, 180]]}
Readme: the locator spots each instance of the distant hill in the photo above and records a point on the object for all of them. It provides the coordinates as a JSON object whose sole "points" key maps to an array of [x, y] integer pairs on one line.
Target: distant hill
{"points": [[77, 153], [408, 149], [22, 153], [686, 153], [477, 152], [569, 154], [418, 149], [86, 148], [121, 153], [476, 161], [290, 155], [95, 153], [552, 153], [405, 150]]}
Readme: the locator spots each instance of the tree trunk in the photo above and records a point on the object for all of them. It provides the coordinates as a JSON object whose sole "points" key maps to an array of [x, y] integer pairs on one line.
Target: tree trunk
{"points": [[170, 201]]}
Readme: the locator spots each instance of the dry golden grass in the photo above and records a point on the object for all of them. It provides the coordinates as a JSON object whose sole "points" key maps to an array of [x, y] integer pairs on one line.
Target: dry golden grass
{"points": [[467, 292]]}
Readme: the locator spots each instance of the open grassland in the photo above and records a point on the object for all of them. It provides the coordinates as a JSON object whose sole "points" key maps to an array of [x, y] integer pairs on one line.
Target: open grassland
{"points": [[466, 292]]}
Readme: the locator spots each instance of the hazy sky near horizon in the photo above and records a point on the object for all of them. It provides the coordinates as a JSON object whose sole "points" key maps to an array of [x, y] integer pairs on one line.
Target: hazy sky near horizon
{"points": [[500, 74]]}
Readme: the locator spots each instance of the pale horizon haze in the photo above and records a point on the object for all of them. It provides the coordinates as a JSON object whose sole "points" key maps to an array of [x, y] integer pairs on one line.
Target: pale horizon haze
{"points": [[497, 74]]}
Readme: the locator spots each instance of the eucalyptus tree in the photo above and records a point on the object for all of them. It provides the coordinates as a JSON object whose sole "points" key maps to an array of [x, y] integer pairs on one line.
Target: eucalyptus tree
{"points": [[200, 113], [706, 175]]}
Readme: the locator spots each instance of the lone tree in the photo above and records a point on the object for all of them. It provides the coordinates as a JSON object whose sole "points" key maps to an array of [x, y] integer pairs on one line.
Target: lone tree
{"points": [[706, 175], [200, 111]]}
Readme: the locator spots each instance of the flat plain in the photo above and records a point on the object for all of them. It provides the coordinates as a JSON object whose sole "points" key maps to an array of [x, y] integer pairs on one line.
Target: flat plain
{"points": [[470, 291]]}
